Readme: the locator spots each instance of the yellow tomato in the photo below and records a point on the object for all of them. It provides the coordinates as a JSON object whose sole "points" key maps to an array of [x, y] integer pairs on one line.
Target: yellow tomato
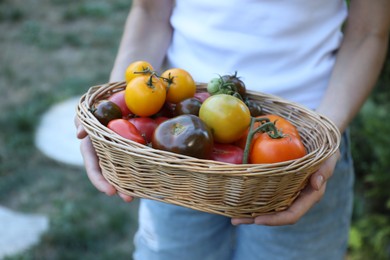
{"points": [[180, 85], [227, 116], [145, 95], [138, 68]]}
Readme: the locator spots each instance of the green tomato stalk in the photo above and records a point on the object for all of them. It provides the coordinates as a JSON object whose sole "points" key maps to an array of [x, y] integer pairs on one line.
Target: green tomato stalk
{"points": [[266, 127]]}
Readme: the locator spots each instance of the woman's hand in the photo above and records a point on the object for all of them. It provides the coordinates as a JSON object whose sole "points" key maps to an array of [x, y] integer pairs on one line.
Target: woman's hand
{"points": [[306, 199], [91, 164]]}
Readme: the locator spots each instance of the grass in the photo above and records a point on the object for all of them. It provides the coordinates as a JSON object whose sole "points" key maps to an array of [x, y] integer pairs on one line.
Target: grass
{"points": [[51, 51]]}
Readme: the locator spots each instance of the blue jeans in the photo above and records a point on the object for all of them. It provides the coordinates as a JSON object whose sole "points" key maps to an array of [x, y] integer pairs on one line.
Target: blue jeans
{"points": [[173, 232]]}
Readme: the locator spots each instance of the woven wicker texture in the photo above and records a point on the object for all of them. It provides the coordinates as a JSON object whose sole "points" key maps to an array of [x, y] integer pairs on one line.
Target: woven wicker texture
{"points": [[231, 190]]}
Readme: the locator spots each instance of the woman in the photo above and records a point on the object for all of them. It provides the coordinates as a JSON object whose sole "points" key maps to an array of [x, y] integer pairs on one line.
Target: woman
{"points": [[294, 49]]}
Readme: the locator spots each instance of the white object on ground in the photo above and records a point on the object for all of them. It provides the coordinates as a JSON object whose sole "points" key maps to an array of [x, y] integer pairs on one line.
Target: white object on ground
{"points": [[56, 134], [19, 231]]}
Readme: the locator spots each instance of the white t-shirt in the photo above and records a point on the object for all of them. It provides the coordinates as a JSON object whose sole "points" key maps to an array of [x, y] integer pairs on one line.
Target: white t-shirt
{"points": [[282, 47]]}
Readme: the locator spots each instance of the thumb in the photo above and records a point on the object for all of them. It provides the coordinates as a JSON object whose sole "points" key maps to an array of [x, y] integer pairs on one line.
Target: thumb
{"points": [[325, 171], [80, 131]]}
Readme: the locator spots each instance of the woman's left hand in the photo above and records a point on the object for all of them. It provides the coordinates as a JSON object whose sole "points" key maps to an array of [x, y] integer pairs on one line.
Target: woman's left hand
{"points": [[309, 196]]}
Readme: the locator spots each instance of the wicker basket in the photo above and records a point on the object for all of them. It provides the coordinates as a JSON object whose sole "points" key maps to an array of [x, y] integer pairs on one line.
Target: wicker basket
{"points": [[245, 190]]}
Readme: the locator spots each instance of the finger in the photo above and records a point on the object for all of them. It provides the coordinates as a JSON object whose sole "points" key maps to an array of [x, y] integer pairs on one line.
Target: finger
{"points": [[324, 172], [125, 197], [80, 131], [239, 221], [92, 167], [304, 202]]}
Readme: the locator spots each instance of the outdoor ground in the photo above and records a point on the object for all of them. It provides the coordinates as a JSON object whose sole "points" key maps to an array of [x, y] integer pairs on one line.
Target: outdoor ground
{"points": [[52, 50]]}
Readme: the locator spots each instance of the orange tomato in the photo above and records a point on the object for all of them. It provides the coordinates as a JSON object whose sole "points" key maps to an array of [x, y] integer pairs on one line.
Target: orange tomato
{"points": [[138, 68], [266, 149], [180, 85], [282, 124], [145, 95]]}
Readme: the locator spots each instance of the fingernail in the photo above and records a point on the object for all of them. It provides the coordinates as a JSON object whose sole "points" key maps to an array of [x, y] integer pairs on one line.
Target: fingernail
{"points": [[319, 181]]}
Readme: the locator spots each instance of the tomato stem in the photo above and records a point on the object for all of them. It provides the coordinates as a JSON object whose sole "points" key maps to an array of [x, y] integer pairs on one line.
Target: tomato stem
{"points": [[266, 127], [169, 80], [150, 81], [146, 70]]}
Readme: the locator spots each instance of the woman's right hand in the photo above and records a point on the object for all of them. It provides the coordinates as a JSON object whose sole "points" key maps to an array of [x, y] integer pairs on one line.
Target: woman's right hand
{"points": [[91, 163]]}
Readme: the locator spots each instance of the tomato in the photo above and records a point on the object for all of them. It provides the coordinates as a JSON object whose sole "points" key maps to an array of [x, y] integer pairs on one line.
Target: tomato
{"points": [[126, 129], [236, 82], [188, 106], [202, 96], [266, 149], [242, 141], [282, 124], [145, 95], [160, 119], [180, 85], [119, 99], [227, 84], [138, 68], [145, 126], [215, 86], [227, 153], [105, 111], [254, 107], [167, 110], [186, 135], [228, 117]]}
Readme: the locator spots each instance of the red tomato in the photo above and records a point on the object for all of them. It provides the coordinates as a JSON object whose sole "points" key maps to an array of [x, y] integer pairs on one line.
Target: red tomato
{"points": [[272, 150], [202, 96], [160, 119], [227, 153], [145, 125], [126, 129], [119, 99]]}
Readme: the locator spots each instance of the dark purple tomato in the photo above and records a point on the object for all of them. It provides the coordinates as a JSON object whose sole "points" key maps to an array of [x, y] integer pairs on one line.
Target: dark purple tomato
{"points": [[105, 111], [254, 107], [188, 106], [186, 135]]}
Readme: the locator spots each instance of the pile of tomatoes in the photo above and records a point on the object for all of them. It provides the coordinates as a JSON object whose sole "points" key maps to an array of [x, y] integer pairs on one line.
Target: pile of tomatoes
{"points": [[167, 113]]}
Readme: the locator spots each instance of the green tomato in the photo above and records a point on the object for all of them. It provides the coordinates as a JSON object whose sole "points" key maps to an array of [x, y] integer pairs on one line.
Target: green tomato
{"points": [[213, 87]]}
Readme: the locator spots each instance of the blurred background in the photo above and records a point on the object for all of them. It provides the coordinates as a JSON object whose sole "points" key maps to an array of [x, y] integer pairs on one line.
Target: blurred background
{"points": [[53, 50]]}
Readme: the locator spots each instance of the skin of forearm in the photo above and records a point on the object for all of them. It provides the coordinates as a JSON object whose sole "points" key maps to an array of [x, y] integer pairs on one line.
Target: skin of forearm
{"points": [[147, 35], [355, 74], [359, 61]]}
